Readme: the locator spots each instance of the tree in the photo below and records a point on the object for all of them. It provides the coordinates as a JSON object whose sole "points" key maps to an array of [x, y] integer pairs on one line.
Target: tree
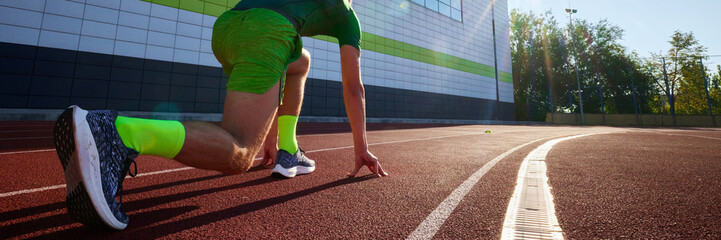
{"points": [[535, 54], [684, 52], [544, 56], [691, 91]]}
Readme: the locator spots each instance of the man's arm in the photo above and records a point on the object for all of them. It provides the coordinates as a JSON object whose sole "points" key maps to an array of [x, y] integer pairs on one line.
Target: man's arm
{"points": [[354, 97]]}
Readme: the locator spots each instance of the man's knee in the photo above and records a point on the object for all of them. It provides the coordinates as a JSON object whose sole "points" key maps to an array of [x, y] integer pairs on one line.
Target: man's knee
{"points": [[240, 161], [305, 58], [301, 65]]}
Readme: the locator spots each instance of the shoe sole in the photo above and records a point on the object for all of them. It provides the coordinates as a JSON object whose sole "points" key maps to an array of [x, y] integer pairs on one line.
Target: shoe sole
{"points": [[79, 156], [291, 172]]}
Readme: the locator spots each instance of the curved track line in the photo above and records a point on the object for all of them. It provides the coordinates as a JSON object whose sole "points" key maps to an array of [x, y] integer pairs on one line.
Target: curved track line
{"points": [[531, 212], [430, 226]]}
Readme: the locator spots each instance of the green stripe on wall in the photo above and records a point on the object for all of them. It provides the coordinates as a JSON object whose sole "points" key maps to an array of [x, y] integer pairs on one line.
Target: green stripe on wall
{"points": [[371, 42]]}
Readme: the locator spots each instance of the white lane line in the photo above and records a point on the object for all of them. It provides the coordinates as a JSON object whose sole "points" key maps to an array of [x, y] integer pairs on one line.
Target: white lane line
{"points": [[687, 135], [531, 213], [7, 194], [23, 138], [429, 227], [19, 131], [31, 151], [391, 142], [255, 163]]}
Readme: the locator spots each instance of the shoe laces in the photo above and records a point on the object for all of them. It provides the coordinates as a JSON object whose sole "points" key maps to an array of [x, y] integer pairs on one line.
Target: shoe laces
{"points": [[126, 172]]}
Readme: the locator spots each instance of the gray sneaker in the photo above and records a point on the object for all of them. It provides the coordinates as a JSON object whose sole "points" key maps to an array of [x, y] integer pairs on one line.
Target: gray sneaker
{"points": [[288, 165], [95, 162]]}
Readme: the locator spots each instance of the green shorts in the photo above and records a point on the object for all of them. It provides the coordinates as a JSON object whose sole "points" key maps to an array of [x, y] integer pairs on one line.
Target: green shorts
{"points": [[255, 47]]}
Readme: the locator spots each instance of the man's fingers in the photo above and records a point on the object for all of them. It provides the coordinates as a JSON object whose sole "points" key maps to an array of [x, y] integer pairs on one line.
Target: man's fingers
{"points": [[356, 168], [268, 160], [376, 166], [381, 171]]}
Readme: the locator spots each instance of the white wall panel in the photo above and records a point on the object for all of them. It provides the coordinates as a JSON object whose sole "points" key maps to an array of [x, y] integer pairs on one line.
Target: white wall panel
{"points": [[101, 14], [134, 20], [190, 17], [62, 24], [98, 29], [129, 49], [135, 6], [159, 53], [59, 40], [21, 35], [163, 25], [65, 8], [161, 39], [97, 45], [187, 43], [34, 5], [20, 17], [132, 34], [164, 12], [185, 56], [112, 4], [140, 29]]}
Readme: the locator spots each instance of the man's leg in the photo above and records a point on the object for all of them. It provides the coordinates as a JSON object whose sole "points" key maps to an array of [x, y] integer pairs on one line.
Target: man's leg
{"points": [[97, 149], [288, 112], [289, 161], [232, 146]]}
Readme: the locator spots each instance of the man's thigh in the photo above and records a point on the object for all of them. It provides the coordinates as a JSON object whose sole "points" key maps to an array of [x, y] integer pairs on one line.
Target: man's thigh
{"points": [[248, 115]]}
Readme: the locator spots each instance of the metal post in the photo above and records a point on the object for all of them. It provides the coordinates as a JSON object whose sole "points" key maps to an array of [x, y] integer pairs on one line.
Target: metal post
{"points": [[668, 89], [603, 103], [635, 102], [578, 78], [600, 88], [708, 98], [529, 99], [550, 99], [669, 95], [495, 56]]}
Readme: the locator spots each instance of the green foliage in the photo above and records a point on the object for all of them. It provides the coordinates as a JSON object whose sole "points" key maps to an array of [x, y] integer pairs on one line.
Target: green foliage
{"points": [[544, 73], [545, 59], [691, 93], [683, 72]]}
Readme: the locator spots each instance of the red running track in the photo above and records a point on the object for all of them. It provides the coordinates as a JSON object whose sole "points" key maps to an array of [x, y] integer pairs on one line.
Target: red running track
{"points": [[426, 164]]}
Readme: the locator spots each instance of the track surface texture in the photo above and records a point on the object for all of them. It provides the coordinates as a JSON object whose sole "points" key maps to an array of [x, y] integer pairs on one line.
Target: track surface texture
{"points": [[619, 183]]}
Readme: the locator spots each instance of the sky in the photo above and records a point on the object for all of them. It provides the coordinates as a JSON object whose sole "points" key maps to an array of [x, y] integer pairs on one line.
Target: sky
{"points": [[648, 24]]}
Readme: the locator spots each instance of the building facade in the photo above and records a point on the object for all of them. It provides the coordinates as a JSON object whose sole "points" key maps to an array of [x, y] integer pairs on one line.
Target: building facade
{"points": [[422, 59]]}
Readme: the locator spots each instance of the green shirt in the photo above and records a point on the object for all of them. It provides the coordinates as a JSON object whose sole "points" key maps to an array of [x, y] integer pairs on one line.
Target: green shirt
{"points": [[333, 18]]}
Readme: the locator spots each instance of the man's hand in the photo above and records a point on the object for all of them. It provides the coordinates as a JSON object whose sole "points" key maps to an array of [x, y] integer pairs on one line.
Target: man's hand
{"points": [[369, 160], [270, 149]]}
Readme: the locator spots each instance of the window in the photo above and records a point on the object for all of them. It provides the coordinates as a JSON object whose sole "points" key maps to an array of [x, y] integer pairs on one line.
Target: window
{"points": [[450, 8]]}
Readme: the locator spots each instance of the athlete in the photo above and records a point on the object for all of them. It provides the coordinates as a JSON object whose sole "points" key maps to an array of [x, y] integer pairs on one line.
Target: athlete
{"points": [[259, 45]]}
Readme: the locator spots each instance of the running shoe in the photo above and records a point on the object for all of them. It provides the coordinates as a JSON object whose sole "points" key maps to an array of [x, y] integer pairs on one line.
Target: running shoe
{"points": [[289, 165], [95, 162]]}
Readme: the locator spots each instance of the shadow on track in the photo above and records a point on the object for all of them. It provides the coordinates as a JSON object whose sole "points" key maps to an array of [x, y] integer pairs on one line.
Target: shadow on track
{"points": [[169, 228], [21, 228], [35, 225], [139, 219], [26, 212]]}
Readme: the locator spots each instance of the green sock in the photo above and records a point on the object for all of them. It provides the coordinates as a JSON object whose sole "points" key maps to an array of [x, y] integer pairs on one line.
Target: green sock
{"points": [[286, 133], [151, 137]]}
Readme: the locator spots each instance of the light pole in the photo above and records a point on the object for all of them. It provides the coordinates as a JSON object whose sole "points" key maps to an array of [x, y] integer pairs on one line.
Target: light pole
{"points": [[495, 57], [578, 79]]}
